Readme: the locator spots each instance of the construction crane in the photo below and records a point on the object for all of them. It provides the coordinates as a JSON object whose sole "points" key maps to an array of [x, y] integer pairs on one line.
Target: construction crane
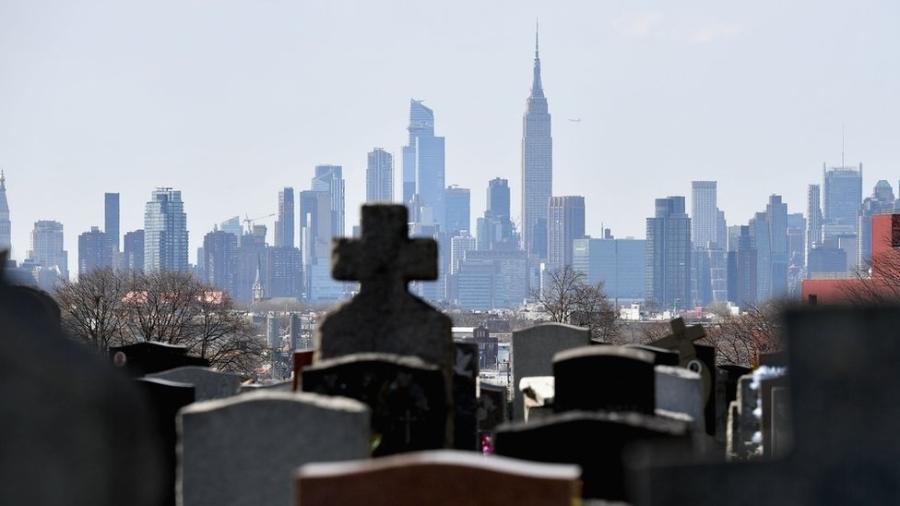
{"points": [[248, 221]]}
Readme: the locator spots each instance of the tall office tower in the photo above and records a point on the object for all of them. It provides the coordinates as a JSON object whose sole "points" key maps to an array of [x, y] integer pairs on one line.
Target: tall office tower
{"points": [[617, 263], [251, 263], [111, 219], [759, 232], [457, 210], [742, 265], [284, 224], [316, 228], [220, 260], [232, 226], [814, 217], [5, 226], [495, 229], [492, 280], [423, 164], [668, 267], [565, 223], [537, 166], [284, 272], [379, 176], [459, 245], [704, 214], [165, 232], [498, 199], [777, 218], [329, 178], [47, 247], [133, 251], [880, 202], [94, 251], [796, 243], [841, 199]]}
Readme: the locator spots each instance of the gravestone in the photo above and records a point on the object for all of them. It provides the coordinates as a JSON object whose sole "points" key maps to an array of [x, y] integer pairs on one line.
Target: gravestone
{"points": [[781, 422], [492, 407], [678, 390], [275, 386], [845, 399], [405, 394], [537, 396], [594, 441], [148, 357], [384, 317], [244, 450], [73, 430], [765, 386], [604, 378], [208, 383], [301, 359], [661, 356], [438, 478], [465, 404], [747, 444], [533, 349], [726, 391], [165, 398], [733, 432]]}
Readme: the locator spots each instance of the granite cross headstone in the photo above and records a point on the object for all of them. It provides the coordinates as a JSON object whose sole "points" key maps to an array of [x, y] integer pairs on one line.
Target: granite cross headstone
{"points": [[208, 383], [845, 399], [244, 450], [438, 478]]}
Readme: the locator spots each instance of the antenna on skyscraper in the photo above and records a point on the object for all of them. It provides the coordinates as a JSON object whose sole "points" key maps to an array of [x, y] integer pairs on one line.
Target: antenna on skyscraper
{"points": [[842, 145], [537, 31]]}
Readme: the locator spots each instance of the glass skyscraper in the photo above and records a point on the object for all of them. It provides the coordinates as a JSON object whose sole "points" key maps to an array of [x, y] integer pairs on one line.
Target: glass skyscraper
{"points": [[165, 232], [423, 165], [330, 179], [668, 257], [379, 176], [111, 219], [565, 223], [537, 166], [284, 225], [5, 228]]}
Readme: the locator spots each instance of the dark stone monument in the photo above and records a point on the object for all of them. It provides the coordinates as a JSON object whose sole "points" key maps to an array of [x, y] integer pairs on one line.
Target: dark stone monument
{"points": [[73, 431], [465, 404], [845, 398], [150, 357], [594, 441], [604, 378], [165, 398], [661, 356], [301, 360], [405, 395], [384, 317], [492, 407], [726, 391], [766, 385], [781, 422]]}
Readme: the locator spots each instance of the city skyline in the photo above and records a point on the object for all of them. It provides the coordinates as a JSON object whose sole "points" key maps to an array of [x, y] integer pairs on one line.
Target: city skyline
{"points": [[604, 138]]}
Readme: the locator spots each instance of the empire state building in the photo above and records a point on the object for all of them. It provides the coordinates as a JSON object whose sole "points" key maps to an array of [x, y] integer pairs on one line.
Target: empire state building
{"points": [[537, 166]]}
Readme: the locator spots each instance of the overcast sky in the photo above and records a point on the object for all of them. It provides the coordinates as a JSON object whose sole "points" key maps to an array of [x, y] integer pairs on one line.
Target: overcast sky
{"points": [[231, 100]]}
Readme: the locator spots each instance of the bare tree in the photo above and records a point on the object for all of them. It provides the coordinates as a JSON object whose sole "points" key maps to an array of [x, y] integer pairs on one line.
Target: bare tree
{"points": [[162, 306], [875, 283], [569, 299], [92, 307], [561, 297], [224, 336], [740, 339]]}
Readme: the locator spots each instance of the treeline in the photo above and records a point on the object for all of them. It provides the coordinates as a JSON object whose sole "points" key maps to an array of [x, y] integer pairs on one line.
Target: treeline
{"points": [[106, 308]]}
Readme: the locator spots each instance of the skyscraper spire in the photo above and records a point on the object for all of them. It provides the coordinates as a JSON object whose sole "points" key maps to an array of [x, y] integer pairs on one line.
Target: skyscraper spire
{"points": [[537, 46], [536, 88], [2, 180]]}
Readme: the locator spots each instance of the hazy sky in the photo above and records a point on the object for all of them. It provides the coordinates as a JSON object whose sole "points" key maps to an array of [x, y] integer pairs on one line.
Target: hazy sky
{"points": [[231, 100]]}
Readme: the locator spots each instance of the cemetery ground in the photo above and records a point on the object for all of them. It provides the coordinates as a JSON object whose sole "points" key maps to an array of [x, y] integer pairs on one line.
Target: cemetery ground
{"points": [[388, 409]]}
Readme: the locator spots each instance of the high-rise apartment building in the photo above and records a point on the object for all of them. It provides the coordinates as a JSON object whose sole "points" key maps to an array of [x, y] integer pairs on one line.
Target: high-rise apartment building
{"points": [[284, 224], [48, 247], [537, 165], [668, 257], [842, 197], [94, 251], [330, 179], [617, 263], [813, 217], [133, 251], [5, 225], [565, 223], [742, 264], [111, 219], [777, 219], [379, 176], [423, 165], [457, 202], [220, 260], [165, 232], [704, 214]]}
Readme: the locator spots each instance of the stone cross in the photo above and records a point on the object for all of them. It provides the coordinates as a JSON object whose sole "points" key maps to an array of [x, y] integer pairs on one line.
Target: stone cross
{"points": [[384, 317], [845, 401], [682, 340]]}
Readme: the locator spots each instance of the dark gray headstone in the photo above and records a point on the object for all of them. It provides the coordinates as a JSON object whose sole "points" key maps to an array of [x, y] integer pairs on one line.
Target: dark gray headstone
{"points": [[766, 385], [244, 450], [661, 356], [781, 422], [533, 349], [845, 400], [492, 407], [73, 431], [604, 378], [405, 394], [165, 398], [678, 390], [594, 441], [208, 383], [149, 357], [276, 386], [726, 391], [465, 405], [748, 444]]}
